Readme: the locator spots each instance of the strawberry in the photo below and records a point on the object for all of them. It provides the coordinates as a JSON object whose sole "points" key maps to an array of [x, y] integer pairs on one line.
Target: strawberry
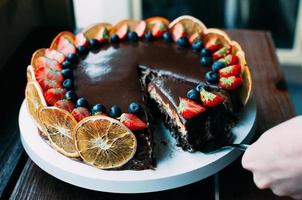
{"points": [[65, 46], [140, 28], [158, 29], [230, 60], [194, 37], [188, 108], [80, 113], [55, 55], [230, 83], [53, 95], [233, 70], [102, 35], [122, 32], [80, 40], [47, 84], [210, 99], [132, 122], [43, 73], [47, 63], [65, 104], [213, 44], [178, 31], [220, 53]]}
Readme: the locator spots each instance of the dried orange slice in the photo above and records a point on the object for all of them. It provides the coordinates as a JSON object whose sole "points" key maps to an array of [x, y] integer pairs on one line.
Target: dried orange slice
{"points": [[35, 101], [30, 73], [38, 53], [104, 142], [222, 36], [191, 24], [59, 125], [153, 20], [94, 30]]}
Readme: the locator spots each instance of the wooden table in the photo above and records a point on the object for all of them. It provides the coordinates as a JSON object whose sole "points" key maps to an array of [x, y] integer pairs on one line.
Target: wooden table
{"points": [[22, 179]]}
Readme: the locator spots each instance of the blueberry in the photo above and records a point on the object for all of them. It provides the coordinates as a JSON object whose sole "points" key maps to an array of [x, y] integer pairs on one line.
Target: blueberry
{"points": [[149, 36], [115, 111], [67, 73], [132, 36], [211, 77], [182, 42], [206, 52], [68, 84], [73, 58], [71, 95], [98, 108], [81, 102], [206, 61], [193, 94], [202, 86], [66, 65], [134, 108], [197, 45], [94, 44], [218, 65], [82, 50], [114, 38], [167, 36]]}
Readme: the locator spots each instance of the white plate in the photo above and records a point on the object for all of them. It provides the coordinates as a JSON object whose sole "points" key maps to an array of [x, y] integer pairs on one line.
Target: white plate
{"points": [[175, 167]]}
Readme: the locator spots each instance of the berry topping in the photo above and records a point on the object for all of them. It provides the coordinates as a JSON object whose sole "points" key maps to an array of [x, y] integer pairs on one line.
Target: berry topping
{"points": [[167, 37], [80, 113], [81, 40], [135, 108], [230, 83], [114, 38], [158, 29], [102, 36], [220, 53], [66, 65], [122, 32], [133, 37], [202, 86], [140, 28], [94, 44], [194, 37], [217, 66], [47, 84], [73, 58], [230, 60], [149, 36], [65, 104], [188, 108], [211, 77], [193, 94], [65, 46], [210, 99], [178, 31], [182, 42], [82, 102], [47, 63], [205, 52], [115, 111], [68, 84], [233, 70], [132, 122], [67, 73], [55, 55], [197, 45], [53, 95], [97, 109], [43, 73], [71, 95], [82, 50], [206, 61], [213, 44]]}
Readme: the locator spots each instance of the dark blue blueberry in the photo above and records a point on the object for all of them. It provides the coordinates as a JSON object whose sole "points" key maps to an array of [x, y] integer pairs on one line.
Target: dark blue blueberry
{"points": [[94, 44], [71, 95], [98, 108], [202, 86], [182, 42], [206, 61], [67, 73], [167, 36], [68, 84], [134, 108], [82, 50], [81, 102], [218, 65], [66, 65], [211, 77], [115, 111], [133, 37], [73, 58], [193, 94], [197, 46], [149, 36], [114, 38], [205, 52]]}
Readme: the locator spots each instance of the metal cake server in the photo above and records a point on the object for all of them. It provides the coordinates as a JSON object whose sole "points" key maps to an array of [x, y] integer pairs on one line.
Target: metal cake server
{"points": [[241, 147]]}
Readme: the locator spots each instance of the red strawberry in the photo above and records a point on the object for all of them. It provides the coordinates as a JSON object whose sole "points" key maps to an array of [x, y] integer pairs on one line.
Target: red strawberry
{"points": [[188, 108], [220, 53], [210, 99], [102, 35], [47, 84], [47, 63], [122, 32], [178, 31], [194, 37], [65, 46], [55, 55], [230, 83], [230, 60], [213, 44], [53, 95], [65, 104], [132, 122], [43, 73], [80, 113], [80, 40], [158, 29], [140, 28], [233, 70]]}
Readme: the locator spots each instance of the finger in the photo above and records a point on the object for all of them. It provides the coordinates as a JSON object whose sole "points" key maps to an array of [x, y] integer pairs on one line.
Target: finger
{"points": [[261, 181]]}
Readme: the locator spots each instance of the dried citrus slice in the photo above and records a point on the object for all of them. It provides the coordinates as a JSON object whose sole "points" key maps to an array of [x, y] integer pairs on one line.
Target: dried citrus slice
{"points": [[64, 43], [35, 101], [93, 30], [38, 53], [59, 125], [153, 20], [191, 24], [222, 36], [132, 24], [104, 142], [30, 73]]}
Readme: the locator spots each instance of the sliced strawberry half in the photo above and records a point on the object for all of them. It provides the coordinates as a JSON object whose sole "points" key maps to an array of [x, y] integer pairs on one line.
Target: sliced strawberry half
{"points": [[65, 46], [230, 83], [80, 113], [188, 108], [122, 32], [158, 29], [220, 53], [233, 70], [213, 44], [80, 40], [210, 99], [140, 28], [46, 62], [178, 31], [103, 35], [43, 73], [47, 84], [55, 55], [53, 95], [132, 122], [65, 104], [230, 60], [194, 37]]}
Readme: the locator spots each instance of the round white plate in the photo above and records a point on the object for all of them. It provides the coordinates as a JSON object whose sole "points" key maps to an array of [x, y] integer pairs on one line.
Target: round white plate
{"points": [[175, 167]]}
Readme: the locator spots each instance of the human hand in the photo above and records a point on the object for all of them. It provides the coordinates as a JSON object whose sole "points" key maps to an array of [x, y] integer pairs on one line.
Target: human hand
{"points": [[275, 159]]}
